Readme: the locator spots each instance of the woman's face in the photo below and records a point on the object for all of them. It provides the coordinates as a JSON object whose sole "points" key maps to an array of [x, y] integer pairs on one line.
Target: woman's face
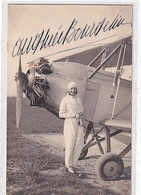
{"points": [[73, 91]]}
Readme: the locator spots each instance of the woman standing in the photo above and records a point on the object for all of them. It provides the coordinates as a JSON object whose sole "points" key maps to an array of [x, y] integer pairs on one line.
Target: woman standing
{"points": [[71, 109]]}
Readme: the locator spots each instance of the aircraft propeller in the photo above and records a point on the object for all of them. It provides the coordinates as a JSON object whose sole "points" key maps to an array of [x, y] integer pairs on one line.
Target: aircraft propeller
{"points": [[20, 79]]}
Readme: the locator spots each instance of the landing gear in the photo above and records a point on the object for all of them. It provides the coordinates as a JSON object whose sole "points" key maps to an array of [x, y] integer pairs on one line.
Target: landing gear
{"points": [[83, 154], [109, 167]]}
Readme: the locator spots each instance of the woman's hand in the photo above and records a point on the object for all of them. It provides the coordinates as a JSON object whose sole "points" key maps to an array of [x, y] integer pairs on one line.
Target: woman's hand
{"points": [[80, 115]]}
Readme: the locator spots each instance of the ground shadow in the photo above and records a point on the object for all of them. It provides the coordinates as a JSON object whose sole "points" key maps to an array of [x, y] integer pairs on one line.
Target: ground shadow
{"points": [[126, 173], [93, 156]]}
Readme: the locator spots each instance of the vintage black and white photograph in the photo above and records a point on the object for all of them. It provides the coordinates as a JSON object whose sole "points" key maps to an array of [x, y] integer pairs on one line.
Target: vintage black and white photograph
{"points": [[69, 99]]}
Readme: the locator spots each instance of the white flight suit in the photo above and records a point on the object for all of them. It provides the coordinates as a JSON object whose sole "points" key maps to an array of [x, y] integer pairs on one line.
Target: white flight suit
{"points": [[70, 107]]}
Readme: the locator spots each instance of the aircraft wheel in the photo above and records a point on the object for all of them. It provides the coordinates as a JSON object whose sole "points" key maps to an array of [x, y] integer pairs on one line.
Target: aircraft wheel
{"points": [[83, 154], [109, 167]]}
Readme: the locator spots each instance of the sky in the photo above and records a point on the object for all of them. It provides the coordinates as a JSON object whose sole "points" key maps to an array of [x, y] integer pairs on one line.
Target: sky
{"points": [[25, 21]]}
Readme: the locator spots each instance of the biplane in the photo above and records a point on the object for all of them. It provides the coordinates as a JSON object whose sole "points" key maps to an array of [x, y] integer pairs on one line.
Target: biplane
{"points": [[106, 96]]}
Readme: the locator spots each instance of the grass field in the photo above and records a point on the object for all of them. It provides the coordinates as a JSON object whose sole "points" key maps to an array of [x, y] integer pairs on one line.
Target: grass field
{"points": [[38, 169]]}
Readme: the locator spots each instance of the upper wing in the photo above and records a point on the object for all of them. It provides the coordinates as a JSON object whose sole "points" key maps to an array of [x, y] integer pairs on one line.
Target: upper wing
{"points": [[84, 54], [92, 51]]}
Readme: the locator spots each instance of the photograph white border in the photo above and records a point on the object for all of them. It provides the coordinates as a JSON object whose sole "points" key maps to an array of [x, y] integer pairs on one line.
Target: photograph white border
{"points": [[136, 121]]}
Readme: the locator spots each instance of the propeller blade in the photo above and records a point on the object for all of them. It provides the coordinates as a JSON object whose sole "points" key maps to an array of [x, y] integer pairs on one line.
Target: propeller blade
{"points": [[20, 82], [20, 65]]}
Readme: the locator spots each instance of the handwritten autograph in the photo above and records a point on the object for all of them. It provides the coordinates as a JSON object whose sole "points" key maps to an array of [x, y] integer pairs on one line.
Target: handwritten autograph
{"points": [[73, 33]]}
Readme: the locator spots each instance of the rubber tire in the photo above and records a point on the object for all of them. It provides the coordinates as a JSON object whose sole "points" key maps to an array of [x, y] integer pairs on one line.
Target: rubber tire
{"points": [[103, 160], [83, 154]]}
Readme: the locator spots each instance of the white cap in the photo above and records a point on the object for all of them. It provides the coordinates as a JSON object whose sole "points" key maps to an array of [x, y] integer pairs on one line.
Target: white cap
{"points": [[72, 85]]}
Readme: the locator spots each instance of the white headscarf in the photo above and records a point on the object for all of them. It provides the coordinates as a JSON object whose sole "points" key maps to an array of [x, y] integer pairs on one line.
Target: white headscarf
{"points": [[72, 85]]}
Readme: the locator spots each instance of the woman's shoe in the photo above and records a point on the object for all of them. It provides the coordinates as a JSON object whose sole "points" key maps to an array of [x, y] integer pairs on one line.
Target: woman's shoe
{"points": [[66, 169], [70, 169], [80, 175]]}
